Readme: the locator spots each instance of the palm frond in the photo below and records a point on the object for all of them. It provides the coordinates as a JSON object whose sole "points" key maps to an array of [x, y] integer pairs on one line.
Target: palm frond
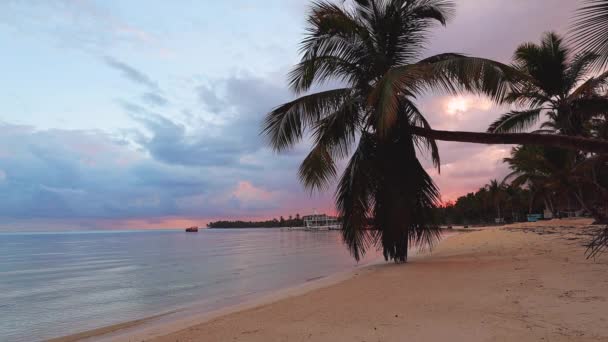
{"points": [[455, 73], [599, 244], [417, 119], [439, 10], [333, 136], [594, 86], [451, 73], [385, 100], [285, 125], [320, 70], [515, 121], [579, 68], [334, 43], [318, 168], [355, 197], [545, 63], [527, 97], [590, 30], [338, 130]]}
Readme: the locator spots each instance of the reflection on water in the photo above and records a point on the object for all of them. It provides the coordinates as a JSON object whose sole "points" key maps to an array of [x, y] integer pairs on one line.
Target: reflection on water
{"points": [[63, 283]]}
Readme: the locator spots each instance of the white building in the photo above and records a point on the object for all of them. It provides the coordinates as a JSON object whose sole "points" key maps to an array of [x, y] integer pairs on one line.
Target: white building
{"points": [[321, 222]]}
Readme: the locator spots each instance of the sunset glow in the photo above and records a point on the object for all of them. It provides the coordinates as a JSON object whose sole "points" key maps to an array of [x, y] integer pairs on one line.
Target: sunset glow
{"points": [[142, 127], [458, 105]]}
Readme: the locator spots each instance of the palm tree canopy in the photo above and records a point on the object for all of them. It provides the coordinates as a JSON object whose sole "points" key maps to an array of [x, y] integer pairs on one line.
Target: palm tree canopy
{"points": [[558, 85], [373, 49]]}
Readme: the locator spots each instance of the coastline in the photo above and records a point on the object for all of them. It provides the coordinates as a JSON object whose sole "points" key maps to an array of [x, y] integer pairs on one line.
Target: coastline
{"points": [[525, 282], [160, 324]]}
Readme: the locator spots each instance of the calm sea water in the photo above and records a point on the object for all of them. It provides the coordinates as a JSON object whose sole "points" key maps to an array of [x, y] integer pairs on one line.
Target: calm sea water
{"points": [[55, 284]]}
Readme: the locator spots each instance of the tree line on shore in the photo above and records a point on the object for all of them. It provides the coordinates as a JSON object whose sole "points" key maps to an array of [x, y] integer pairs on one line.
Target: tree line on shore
{"points": [[484, 206], [291, 221]]}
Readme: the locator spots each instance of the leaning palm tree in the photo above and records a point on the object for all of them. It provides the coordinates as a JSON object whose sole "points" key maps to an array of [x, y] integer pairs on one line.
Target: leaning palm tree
{"points": [[591, 29], [373, 49], [559, 85], [385, 197]]}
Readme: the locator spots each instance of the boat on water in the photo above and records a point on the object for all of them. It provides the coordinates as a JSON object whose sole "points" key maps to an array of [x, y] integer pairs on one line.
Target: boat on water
{"points": [[193, 229], [321, 222]]}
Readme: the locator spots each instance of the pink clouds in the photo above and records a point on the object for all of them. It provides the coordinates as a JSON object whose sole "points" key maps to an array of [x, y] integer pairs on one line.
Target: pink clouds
{"points": [[246, 192]]}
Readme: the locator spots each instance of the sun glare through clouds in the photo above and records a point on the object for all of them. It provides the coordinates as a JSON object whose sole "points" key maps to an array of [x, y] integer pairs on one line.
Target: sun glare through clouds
{"points": [[458, 105]]}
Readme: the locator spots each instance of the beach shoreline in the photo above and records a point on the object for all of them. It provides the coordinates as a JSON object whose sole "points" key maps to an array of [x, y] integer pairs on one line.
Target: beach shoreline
{"points": [[160, 324], [525, 282]]}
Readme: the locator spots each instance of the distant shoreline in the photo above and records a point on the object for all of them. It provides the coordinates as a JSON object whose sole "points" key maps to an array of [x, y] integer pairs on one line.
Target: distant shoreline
{"points": [[218, 228]]}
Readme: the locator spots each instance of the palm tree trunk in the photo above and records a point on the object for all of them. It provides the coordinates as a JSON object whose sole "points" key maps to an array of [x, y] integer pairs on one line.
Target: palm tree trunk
{"points": [[547, 206], [554, 140], [599, 217], [498, 208]]}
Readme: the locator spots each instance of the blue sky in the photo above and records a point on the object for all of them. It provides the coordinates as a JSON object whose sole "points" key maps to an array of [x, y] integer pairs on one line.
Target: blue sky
{"points": [[127, 114]]}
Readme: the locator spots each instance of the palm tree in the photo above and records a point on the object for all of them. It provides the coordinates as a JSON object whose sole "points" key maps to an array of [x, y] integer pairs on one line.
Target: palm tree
{"points": [[373, 48], [496, 192], [545, 177], [552, 173], [558, 85], [591, 29]]}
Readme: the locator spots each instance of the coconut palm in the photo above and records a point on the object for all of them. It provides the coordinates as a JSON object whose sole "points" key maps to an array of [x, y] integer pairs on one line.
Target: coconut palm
{"points": [[544, 176], [373, 49], [591, 29], [496, 192], [558, 87], [552, 173], [384, 196]]}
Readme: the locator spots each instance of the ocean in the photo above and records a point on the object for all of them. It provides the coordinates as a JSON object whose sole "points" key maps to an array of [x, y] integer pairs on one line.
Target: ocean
{"points": [[56, 284]]}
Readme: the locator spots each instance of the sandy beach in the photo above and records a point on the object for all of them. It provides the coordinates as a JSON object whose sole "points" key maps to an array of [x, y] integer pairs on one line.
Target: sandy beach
{"points": [[525, 282]]}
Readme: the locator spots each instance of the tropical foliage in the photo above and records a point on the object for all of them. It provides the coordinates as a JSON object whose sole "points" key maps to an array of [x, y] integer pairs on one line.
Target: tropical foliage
{"points": [[562, 87], [556, 176], [591, 29], [370, 50], [591, 34], [373, 48], [558, 86], [273, 223], [480, 207]]}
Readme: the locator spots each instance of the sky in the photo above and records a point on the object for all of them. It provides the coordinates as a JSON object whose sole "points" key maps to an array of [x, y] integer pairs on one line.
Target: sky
{"points": [[146, 114]]}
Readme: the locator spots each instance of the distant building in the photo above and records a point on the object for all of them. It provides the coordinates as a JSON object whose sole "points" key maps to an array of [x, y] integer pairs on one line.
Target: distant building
{"points": [[321, 222]]}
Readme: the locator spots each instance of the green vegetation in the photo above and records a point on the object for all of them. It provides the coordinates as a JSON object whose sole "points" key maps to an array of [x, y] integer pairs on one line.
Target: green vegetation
{"points": [[372, 49], [480, 207], [274, 223], [558, 85]]}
